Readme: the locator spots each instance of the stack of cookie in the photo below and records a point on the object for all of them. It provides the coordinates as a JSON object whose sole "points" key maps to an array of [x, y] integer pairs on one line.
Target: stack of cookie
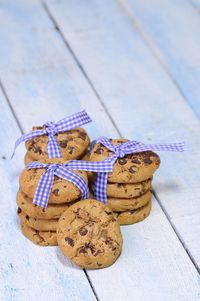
{"points": [[73, 145], [129, 184], [37, 223]]}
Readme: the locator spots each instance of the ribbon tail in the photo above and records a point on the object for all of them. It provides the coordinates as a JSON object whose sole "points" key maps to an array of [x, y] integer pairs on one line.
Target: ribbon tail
{"points": [[73, 121], [100, 187], [43, 189], [27, 137], [53, 148]]}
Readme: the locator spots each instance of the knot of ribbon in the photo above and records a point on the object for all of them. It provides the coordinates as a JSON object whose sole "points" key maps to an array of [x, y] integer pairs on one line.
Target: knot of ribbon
{"points": [[51, 128], [65, 171], [119, 151]]}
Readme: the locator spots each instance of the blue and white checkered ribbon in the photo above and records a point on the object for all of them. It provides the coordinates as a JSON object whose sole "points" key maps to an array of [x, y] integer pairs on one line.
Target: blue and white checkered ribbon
{"points": [[65, 171], [65, 124], [120, 151]]}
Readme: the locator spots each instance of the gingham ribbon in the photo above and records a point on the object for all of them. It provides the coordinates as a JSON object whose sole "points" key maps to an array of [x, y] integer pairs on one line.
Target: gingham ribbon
{"points": [[120, 151], [52, 128], [65, 171]]}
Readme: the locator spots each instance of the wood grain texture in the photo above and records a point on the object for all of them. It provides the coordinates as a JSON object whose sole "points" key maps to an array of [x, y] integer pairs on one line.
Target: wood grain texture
{"points": [[116, 52], [43, 82], [171, 30]]}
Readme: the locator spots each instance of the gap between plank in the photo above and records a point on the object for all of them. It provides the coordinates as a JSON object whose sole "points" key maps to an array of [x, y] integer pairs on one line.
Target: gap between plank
{"points": [[161, 61], [10, 107], [91, 285], [176, 232], [152, 47], [80, 66]]}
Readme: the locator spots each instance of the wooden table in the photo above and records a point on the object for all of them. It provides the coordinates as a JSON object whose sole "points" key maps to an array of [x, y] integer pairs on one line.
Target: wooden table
{"points": [[134, 65]]}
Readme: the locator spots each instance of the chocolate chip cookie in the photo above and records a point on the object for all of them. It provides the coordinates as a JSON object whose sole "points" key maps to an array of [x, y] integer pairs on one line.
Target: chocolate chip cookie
{"points": [[133, 216], [28, 159], [132, 168], [89, 234], [53, 211], [73, 144], [48, 238], [37, 224], [62, 190], [121, 205], [127, 191]]}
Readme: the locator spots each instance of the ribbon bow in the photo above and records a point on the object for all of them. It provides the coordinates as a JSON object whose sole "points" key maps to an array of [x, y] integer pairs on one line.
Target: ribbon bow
{"points": [[65, 171], [52, 128], [120, 151]]}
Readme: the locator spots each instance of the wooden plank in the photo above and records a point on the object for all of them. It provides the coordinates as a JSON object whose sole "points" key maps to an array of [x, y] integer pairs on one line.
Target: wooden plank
{"points": [[28, 272], [171, 30], [151, 247], [142, 99]]}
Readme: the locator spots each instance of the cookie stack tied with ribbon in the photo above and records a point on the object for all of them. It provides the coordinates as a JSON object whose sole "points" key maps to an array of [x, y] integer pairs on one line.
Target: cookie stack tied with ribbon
{"points": [[46, 191], [127, 189], [57, 142]]}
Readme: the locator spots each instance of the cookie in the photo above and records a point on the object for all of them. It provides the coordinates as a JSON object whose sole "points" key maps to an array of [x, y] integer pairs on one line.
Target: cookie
{"points": [[48, 238], [28, 159], [127, 191], [73, 144], [89, 234], [62, 190], [37, 224], [129, 204], [133, 216], [132, 168], [53, 211]]}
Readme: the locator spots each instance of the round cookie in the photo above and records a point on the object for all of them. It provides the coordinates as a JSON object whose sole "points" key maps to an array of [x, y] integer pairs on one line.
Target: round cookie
{"points": [[132, 168], [133, 216], [48, 238], [127, 191], [37, 224], [73, 144], [53, 211], [28, 159], [62, 190], [89, 234], [121, 205]]}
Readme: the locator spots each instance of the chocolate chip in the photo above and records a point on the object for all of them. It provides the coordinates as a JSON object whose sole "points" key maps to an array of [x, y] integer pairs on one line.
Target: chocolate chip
{"points": [[136, 161], [63, 144], [37, 149], [83, 136], [99, 150], [147, 160], [122, 161], [19, 210], [108, 213], [133, 169], [70, 150], [55, 192], [27, 217], [69, 241], [83, 250], [83, 231]]}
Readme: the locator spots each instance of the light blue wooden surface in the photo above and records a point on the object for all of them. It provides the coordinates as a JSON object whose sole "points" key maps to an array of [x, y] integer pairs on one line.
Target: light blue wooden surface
{"points": [[100, 59]]}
